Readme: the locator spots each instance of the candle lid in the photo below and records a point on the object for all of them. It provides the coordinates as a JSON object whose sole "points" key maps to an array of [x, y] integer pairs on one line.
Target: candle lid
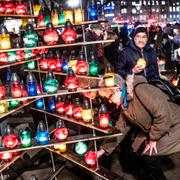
{"points": [[70, 72], [81, 56], [3, 30], [29, 27], [109, 68], [17, 45], [103, 109], [41, 126], [92, 56], [86, 104], [59, 99], [60, 124], [8, 130], [68, 24], [50, 75], [14, 78], [77, 102], [30, 77], [49, 26]]}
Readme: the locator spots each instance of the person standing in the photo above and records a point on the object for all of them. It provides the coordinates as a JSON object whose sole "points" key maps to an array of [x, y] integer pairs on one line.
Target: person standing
{"points": [[138, 47]]}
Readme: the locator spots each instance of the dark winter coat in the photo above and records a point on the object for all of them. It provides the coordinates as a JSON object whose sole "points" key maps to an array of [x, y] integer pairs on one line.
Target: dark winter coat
{"points": [[159, 121], [128, 57]]}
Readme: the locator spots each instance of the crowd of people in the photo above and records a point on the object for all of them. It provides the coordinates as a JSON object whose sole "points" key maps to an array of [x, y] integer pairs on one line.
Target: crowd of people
{"points": [[150, 128]]}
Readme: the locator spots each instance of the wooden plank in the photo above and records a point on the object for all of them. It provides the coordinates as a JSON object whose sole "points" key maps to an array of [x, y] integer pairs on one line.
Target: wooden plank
{"points": [[60, 92], [60, 45], [79, 122], [69, 140], [18, 63], [16, 109], [18, 16], [101, 171]]}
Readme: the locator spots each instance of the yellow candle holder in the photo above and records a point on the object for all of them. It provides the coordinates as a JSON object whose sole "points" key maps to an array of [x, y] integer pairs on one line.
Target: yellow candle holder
{"points": [[54, 19], [110, 81], [4, 107], [78, 15], [5, 42], [68, 14], [87, 115], [61, 147], [36, 9]]}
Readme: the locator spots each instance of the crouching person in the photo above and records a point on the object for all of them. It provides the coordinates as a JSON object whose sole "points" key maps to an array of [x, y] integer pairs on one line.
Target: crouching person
{"points": [[150, 122]]}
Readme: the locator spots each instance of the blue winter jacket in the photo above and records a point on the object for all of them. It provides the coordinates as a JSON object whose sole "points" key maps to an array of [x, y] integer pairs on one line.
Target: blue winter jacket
{"points": [[127, 59]]}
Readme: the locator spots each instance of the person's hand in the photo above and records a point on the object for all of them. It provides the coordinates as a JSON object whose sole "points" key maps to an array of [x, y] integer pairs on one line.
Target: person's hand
{"points": [[100, 153], [150, 147], [137, 69]]}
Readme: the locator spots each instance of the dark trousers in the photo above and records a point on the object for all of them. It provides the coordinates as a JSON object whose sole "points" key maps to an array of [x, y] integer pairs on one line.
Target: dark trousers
{"points": [[141, 166]]}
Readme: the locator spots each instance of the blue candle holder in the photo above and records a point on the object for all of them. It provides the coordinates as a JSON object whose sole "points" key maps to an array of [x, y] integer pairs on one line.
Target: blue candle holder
{"points": [[40, 103], [32, 88], [64, 66], [93, 13], [51, 105], [42, 137]]}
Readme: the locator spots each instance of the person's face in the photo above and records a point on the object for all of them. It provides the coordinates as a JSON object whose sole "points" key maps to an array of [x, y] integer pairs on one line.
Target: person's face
{"points": [[140, 40]]}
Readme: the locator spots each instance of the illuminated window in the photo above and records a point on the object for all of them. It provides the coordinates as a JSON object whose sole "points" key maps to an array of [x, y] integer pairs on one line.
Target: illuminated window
{"points": [[134, 11], [163, 2], [170, 9]]}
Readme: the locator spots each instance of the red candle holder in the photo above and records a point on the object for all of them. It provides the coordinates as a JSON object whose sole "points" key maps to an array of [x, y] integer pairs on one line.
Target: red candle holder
{"points": [[69, 34], [90, 158], [2, 8], [104, 120], [6, 156], [41, 21], [3, 58], [51, 64], [61, 132], [20, 55], [20, 8], [43, 64], [77, 112], [16, 90], [71, 81], [9, 8], [60, 105], [81, 65], [50, 36], [69, 108], [2, 91], [103, 116]]}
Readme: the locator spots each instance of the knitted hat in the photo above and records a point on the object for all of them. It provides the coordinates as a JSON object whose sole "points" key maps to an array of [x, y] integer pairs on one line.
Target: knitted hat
{"points": [[140, 29]]}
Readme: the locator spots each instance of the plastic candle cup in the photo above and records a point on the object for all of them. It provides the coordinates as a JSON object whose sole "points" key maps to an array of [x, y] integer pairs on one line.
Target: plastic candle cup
{"points": [[42, 136], [71, 81], [40, 103], [25, 138], [31, 84], [81, 148], [87, 113], [69, 34], [61, 132], [50, 35], [60, 106], [110, 77], [10, 140], [51, 84], [93, 66], [103, 116], [5, 42], [81, 65]]}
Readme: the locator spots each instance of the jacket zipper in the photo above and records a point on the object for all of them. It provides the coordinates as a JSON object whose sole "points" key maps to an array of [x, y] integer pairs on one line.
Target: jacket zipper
{"points": [[144, 71]]}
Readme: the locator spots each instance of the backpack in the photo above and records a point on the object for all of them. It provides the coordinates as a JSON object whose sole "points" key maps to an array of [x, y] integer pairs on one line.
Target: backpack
{"points": [[170, 90]]}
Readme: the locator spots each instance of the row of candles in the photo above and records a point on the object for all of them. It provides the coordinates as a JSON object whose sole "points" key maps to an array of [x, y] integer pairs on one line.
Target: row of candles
{"points": [[9, 7], [11, 140], [30, 37], [50, 85], [79, 64], [75, 109]]}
